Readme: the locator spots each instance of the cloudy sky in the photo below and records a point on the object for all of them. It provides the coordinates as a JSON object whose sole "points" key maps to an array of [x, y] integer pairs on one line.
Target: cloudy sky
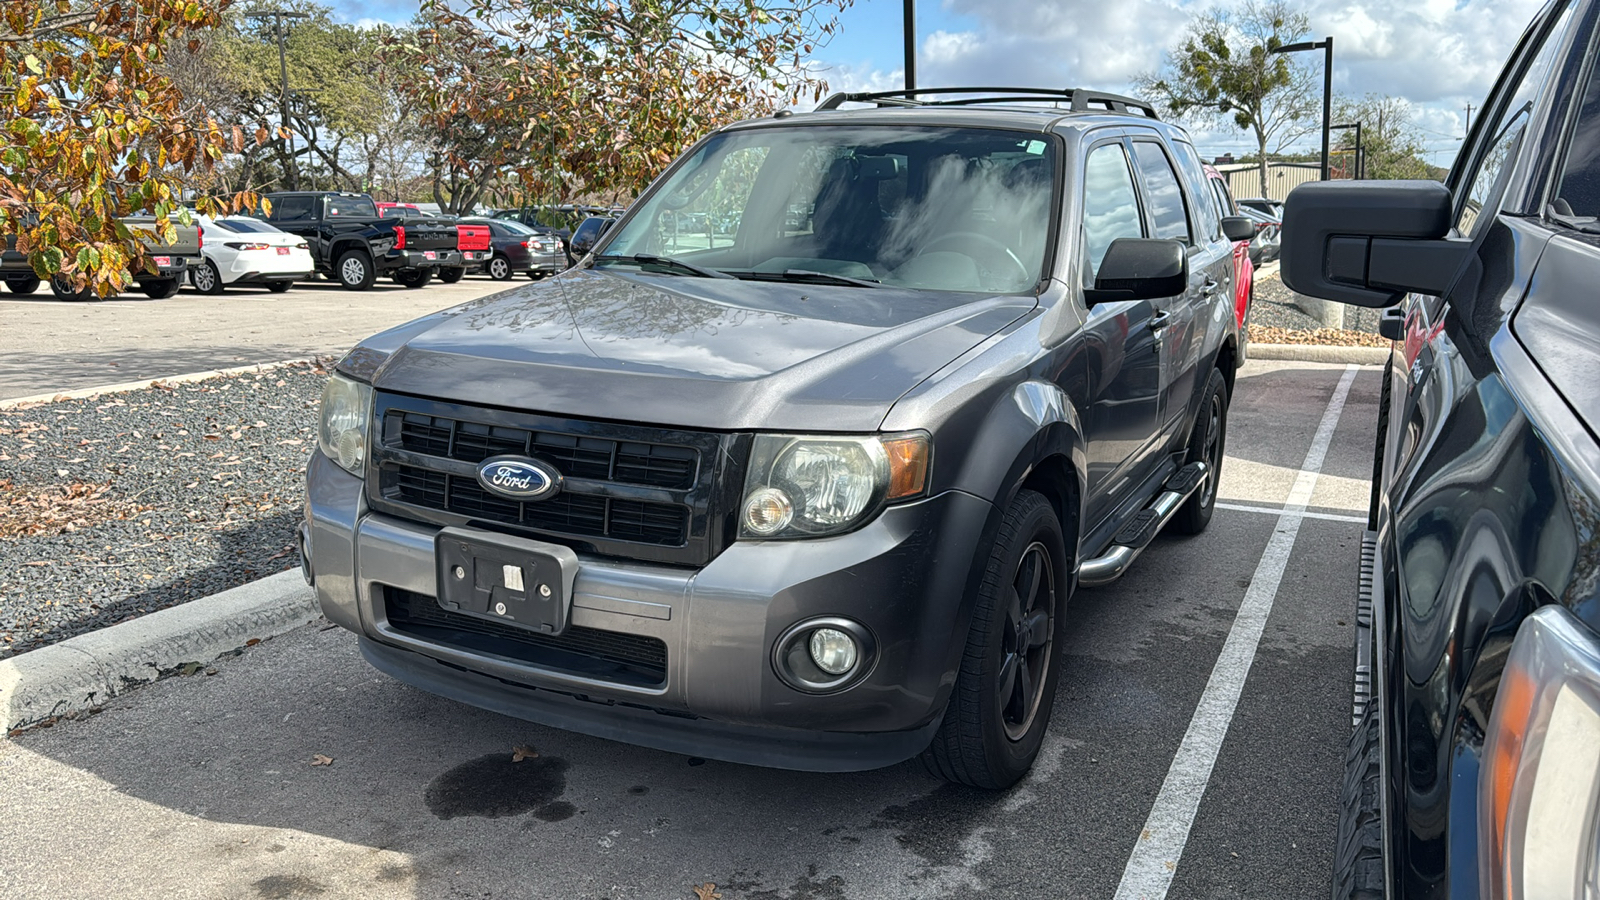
{"points": [[1440, 55]]}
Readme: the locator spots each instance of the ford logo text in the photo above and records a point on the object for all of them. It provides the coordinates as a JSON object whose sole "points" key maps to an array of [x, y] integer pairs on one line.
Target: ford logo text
{"points": [[518, 479]]}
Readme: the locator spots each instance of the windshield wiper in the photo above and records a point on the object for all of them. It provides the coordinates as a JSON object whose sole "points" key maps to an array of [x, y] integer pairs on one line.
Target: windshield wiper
{"points": [[806, 276], [667, 262]]}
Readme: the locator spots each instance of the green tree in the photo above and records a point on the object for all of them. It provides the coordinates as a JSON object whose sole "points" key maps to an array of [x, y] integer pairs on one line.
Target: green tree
{"points": [[1224, 69], [92, 128], [594, 97], [1391, 145]]}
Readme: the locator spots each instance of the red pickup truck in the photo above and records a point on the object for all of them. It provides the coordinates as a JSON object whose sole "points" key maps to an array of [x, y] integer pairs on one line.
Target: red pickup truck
{"points": [[474, 242]]}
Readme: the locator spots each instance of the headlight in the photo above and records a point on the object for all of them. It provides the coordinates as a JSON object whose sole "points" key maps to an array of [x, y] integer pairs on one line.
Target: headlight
{"points": [[346, 404], [804, 486], [1539, 786]]}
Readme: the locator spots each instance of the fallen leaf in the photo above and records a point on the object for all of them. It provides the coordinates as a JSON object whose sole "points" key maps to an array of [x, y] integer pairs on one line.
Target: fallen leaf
{"points": [[320, 760], [252, 642], [522, 752], [707, 891]]}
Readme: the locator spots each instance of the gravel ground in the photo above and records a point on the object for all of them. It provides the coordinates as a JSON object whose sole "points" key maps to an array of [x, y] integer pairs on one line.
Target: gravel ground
{"points": [[1276, 318], [123, 504]]}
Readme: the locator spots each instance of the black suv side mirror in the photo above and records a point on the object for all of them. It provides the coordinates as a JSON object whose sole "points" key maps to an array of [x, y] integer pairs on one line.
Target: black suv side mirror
{"points": [[1140, 269], [1238, 228], [1369, 243], [588, 233]]}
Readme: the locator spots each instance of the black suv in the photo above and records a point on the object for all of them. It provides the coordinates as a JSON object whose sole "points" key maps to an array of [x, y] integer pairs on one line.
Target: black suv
{"points": [[1475, 767], [810, 486]]}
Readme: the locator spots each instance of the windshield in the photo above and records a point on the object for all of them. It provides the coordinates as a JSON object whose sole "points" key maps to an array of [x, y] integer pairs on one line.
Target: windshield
{"points": [[954, 209], [241, 224]]}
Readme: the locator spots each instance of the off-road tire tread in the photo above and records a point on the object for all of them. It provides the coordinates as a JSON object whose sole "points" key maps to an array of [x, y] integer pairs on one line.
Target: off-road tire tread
{"points": [[1358, 855], [955, 753]]}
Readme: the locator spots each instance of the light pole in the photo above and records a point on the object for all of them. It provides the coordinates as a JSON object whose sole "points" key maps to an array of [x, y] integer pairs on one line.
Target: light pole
{"points": [[278, 15], [1326, 44], [910, 19], [1357, 170]]}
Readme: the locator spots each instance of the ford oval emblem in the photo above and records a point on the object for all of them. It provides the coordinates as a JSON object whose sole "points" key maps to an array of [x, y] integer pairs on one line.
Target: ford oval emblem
{"points": [[518, 478]]}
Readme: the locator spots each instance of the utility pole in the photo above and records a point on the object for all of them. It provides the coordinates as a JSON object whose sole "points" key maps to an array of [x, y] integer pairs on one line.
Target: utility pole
{"points": [[291, 175], [1469, 118], [910, 19], [1325, 45]]}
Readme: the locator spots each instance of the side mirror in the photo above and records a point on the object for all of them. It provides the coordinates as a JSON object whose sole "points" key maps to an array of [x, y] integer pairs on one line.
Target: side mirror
{"points": [[1140, 269], [1238, 228], [588, 234], [1369, 243]]}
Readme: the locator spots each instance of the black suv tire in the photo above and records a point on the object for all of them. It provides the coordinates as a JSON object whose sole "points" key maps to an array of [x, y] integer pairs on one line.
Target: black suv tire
{"points": [[23, 285], [451, 275], [989, 739], [414, 278], [160, 289], [1207, 442], [354, 270]]}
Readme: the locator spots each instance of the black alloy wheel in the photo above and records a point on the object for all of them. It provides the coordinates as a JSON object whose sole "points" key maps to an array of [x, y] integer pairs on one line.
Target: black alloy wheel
{"points": [[499, 268], [999, 708], [206, 279], [1208, 444], [23, 285]]}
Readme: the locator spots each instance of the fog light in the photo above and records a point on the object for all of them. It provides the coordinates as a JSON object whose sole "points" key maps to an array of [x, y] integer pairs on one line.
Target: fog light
{"points": [[833, 651], [767, 511]]}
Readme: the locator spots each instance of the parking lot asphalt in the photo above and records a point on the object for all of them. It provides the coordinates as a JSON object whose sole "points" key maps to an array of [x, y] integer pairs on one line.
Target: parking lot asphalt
{"points": [[1194, 752], [49, 345]]}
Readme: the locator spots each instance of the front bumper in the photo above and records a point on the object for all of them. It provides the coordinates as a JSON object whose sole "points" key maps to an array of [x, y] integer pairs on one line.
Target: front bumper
{"points": [[904, 577]]}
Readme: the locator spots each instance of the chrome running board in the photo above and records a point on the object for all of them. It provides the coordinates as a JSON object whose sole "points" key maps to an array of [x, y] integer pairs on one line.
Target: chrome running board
{"points": [[1137, 534]]}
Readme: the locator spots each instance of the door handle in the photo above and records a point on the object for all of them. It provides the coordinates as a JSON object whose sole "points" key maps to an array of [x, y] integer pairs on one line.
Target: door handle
{"points": [[1210, 287], [1159, 319]]}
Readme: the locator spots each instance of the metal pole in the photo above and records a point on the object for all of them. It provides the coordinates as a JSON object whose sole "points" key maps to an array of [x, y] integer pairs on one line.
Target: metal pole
{"points": [[1327, 101], [283, 100], [910, 19], [1359, 172]]}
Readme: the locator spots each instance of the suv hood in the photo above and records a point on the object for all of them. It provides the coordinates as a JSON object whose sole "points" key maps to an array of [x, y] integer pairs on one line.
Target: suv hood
{"points": [[691, 352]]}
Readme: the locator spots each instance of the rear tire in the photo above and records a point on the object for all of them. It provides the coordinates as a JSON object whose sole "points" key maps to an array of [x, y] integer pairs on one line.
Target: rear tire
{"points": [[278, 287], [499, 268], [1000, 706], [23, 285], [452, 275], [354, 270], [414, 278], [206, 279], [162, 289], [1207, 443], [1358, 855]]}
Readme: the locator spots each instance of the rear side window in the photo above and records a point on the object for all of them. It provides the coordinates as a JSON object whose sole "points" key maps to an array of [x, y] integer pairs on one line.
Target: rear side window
{"points": [[351, 207], [1206, 220], [1110, 205], [1163, 197], [288, 209]]}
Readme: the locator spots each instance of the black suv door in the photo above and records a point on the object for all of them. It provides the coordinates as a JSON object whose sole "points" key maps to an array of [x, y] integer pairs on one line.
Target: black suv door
{"points": [[1124, 365]]}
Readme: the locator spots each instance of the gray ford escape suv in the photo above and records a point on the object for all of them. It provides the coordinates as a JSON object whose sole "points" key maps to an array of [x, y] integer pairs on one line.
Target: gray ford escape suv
{"points": [[801, 465]]}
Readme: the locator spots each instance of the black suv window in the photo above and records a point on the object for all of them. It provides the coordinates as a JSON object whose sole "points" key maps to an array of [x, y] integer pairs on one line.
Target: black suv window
{"points": [[933, 208], [1498, 138], [1205, 214], [288, 209], [1162, 194], [348, 207], [1110, 205], [1579, 195]]}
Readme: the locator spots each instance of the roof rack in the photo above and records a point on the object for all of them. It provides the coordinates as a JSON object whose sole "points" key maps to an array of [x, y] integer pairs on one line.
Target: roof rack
{"points": [[1082, 100]]}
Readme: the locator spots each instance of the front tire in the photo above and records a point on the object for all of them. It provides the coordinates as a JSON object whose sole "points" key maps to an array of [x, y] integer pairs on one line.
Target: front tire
{"points": [[499, 268], [1207, 443], [1000, 706], [206, 279], [63, 291], [23, 285], [414, 278], [452, 275], [354, 270]]}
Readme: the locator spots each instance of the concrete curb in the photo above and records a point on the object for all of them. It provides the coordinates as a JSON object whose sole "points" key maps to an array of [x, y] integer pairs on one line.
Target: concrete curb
{"points": [[86, 671], [1323, 353], [81, 393]]}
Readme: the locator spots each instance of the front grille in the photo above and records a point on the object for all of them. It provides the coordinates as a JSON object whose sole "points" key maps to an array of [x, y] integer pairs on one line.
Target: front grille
{"points": [[633, 659], [638, 492]]}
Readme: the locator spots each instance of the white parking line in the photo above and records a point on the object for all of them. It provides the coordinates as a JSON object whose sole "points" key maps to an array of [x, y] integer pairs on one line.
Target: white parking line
{"points": [[1280, 511], [1155, 855]]}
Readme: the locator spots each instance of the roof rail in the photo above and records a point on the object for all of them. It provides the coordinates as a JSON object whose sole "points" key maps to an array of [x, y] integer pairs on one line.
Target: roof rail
{"points": [[1082, 100]]}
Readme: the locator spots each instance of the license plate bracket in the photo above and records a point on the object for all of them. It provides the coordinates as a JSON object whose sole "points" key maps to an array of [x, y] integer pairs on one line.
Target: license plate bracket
{"points": [[507, 579]]}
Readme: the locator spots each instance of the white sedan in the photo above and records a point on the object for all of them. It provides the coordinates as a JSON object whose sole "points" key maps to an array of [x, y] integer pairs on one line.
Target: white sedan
{"points": [[242, 250]]}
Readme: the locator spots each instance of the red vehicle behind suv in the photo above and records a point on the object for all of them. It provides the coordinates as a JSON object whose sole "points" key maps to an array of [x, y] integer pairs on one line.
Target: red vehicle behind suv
{"points": [[1244, 268], [474, 241]]}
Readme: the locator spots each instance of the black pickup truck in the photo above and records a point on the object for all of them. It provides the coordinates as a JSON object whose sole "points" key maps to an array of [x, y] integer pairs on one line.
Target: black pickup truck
{"points": [[352, 244], [1474, 770]]}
